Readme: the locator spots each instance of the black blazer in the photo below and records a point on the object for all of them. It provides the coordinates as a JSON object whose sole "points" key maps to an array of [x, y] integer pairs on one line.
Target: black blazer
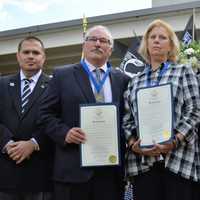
{"points": [[59, 112], [32, 174]]}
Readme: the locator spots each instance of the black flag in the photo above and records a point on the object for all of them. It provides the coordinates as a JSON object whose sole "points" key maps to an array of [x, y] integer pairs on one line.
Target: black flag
{"points": [[120, 49], [132, 63], [188, 32]]}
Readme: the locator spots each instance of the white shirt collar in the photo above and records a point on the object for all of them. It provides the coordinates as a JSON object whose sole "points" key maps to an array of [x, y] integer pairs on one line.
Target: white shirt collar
{"points": [[34, 78], [92, 67]]}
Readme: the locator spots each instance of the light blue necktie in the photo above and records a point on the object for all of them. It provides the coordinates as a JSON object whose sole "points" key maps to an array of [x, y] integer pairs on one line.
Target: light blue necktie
{"points": [[99, 96]]}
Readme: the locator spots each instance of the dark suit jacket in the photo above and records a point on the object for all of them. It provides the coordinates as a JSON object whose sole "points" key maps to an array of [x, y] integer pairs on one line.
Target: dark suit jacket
{"points": [[32, 174], [59, 112]]}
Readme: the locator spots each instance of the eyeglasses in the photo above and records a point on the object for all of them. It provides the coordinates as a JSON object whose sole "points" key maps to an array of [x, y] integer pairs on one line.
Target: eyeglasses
{"points": [[95, 39]]}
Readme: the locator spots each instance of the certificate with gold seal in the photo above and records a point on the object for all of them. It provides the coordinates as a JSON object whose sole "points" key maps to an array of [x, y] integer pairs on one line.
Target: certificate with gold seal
{"points": [[100, 123], [155, 114]]}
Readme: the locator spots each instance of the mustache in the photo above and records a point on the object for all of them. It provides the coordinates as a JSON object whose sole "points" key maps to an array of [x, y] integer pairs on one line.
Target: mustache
{"points": [[97, 50]]}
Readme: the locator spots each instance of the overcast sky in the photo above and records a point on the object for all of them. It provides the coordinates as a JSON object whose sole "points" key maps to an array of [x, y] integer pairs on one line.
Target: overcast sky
{"points": [[23, 13]]}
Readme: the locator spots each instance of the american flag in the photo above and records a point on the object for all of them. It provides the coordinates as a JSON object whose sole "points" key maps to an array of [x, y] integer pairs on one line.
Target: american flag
{"points": [[128, 195]]}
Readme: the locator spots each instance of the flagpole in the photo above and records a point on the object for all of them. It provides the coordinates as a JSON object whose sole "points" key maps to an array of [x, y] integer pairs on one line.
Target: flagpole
{"points": [[84, 25], [193, 25]]}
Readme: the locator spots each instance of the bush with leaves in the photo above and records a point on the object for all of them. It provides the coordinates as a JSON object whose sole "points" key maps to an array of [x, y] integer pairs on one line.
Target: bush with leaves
{"points": [[190, 54]]}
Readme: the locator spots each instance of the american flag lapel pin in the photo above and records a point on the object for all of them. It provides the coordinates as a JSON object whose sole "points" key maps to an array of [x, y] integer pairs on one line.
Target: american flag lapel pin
{"points": [[12, 84]]}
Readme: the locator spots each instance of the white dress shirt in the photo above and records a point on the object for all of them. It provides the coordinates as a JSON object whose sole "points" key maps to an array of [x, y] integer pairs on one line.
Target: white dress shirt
{"points": [[107, 84], [33, 82]]}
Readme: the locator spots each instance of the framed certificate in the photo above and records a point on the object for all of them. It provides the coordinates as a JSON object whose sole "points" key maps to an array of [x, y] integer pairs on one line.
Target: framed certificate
{"points": [[100, 123], [155, 114]]}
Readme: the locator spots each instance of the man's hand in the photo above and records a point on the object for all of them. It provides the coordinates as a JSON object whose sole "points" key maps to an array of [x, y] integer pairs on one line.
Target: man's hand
{"points": [[75, 135], [21, 150], [8, 147]]}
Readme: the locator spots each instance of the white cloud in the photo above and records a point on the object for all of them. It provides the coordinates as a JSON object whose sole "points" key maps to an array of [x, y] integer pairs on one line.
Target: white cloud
{"points": [[33, 7], [22, 13], [4, 18], [30, 6], [3, 15]]}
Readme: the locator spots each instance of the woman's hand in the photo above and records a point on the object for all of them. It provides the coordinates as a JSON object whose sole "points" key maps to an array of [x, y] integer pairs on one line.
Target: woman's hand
{"points": [[165, 148], [135, 147]]}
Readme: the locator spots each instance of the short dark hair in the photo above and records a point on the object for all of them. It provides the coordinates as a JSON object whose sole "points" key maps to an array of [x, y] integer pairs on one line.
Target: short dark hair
{"points": [[28, 38]]}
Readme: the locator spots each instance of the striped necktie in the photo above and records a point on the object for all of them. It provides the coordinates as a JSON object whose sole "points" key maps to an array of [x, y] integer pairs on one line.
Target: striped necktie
{"points": [[99, 96], [25, 94]]}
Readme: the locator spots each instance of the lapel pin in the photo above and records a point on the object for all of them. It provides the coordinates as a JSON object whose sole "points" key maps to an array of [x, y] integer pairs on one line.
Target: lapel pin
{"points": [[42, 86], [12, 84]]}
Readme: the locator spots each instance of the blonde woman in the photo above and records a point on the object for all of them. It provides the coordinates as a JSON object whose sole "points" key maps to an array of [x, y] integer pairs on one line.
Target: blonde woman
{"points": [[164, 171]]}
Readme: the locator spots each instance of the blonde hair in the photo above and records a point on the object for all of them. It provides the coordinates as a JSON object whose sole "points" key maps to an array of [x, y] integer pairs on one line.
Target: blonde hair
{"points": [[174, 42]]}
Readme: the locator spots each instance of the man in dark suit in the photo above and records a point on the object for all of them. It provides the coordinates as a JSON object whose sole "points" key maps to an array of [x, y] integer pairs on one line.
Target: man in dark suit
{"points": [[59, 114], [25, 154]]}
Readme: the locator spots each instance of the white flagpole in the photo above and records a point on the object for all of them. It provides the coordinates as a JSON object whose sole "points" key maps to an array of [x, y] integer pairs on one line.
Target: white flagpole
{"points": [[193, 25]]}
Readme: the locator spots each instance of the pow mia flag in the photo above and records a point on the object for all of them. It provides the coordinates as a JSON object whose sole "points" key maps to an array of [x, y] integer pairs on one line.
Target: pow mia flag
{"points": [[132, 63]]}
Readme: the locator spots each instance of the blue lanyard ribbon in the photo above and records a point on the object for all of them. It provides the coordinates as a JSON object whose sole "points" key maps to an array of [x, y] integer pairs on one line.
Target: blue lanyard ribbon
{"points": [[161, 73], [98, 86]]}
